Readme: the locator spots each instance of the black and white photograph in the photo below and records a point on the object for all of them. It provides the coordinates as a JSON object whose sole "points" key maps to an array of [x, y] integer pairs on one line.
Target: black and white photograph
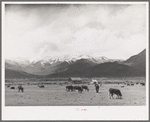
{"points": [[75, 54]]}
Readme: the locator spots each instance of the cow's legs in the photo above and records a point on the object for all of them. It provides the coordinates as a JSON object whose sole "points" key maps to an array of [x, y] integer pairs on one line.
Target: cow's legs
{"points": [[97, 90], [110, 96]]}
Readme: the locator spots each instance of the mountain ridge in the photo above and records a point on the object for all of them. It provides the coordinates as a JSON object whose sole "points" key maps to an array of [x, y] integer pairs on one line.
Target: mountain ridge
{"points": [[82, 66]]}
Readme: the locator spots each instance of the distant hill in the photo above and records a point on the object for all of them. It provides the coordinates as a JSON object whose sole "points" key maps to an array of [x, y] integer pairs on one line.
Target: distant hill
{"points": [[17, 74]]}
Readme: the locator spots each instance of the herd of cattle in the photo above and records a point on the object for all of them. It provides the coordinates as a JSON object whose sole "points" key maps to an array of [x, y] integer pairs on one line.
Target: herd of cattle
{"points": [[80, 89], [132, 84], [111, 91], [20, 88]]}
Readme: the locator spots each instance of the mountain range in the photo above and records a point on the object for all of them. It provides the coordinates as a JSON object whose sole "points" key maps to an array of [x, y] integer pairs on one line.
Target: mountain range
{"points": [[80, 66]]}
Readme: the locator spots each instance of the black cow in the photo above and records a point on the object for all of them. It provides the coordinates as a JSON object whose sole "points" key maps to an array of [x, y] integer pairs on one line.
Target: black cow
{"points": [[12, 87], [114, 91], [79, 88], [69, 88], [85, 87], [143, 84], [41, 86], [128, 84], [20, 88], [132, 84], [97, 88]]}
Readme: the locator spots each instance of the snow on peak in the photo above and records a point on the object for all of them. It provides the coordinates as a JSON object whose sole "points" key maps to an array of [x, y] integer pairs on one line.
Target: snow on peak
{"points": [[69, 59]]}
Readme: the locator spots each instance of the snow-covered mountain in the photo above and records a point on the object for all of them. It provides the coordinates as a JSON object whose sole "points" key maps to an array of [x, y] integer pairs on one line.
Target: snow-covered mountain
{"points": [[51, 65], [81, 66], [72, 59]]}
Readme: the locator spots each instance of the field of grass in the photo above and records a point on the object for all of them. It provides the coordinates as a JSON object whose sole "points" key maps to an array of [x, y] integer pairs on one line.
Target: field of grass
{"points": [[55, 94]]}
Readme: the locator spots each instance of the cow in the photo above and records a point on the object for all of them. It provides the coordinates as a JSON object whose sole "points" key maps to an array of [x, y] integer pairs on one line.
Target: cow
{"points": [[69, 88], [132, 84], [143, 84], [79, 88], [128, 84], [41, 86], [8, 86], [12, 87], [85, 87], [114, 91], [122, 86], [20, 88], [97, 88]]}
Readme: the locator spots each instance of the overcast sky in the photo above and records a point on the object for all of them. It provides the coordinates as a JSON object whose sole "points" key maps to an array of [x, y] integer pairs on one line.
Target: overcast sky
{"points": [[38, 31]]}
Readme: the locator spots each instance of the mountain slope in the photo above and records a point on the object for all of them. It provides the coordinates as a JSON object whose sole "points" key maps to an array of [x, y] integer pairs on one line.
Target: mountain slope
{"points": [[81, 66], [17, 74], [109, 69], [138, 61], [52, 65], [74, 69], [132, 67]]}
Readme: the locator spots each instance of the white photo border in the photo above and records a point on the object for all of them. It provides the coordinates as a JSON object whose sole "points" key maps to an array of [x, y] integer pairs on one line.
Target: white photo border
{"points": [[69, 112]]}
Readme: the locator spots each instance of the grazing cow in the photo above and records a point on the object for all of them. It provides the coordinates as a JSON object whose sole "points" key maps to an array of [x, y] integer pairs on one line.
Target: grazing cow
{"points": [[12, 87], [85, 87], [122, 86], [97, 88], [8, 86], [137, 83], [128, 84], [41, 86], [132, 84], [79, 88], [69, 88], [114, 91], [143, 84], [20, 88]]}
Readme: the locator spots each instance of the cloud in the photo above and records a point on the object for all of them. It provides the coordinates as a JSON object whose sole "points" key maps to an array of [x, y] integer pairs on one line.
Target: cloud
{"points": [[115, 31]]}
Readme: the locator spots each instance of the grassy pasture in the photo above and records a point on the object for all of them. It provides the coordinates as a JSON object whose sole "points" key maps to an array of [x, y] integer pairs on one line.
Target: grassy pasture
{"points": [[55, 94]]}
